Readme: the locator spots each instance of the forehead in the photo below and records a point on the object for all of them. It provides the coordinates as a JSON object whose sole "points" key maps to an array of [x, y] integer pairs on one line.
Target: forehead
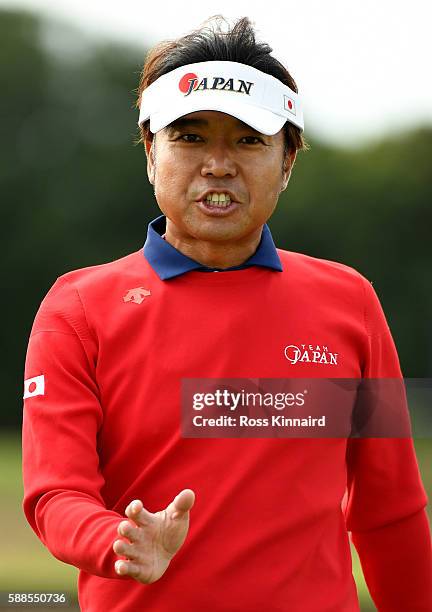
{"points": [[208, 119]]}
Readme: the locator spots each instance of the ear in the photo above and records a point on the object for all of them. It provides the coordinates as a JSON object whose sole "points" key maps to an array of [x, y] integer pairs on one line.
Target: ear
{"points": [[149, 143], [287, 167]]}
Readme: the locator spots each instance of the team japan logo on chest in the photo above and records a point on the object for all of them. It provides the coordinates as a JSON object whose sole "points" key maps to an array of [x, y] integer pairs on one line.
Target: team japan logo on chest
{"points": [[310, 353]]}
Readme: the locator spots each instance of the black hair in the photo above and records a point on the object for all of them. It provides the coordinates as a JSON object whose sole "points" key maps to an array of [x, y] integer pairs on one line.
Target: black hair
{"points": [[205, 44]]}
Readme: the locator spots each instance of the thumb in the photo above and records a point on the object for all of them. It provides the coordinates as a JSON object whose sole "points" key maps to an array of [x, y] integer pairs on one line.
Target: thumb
{"points": [[181, 504]]}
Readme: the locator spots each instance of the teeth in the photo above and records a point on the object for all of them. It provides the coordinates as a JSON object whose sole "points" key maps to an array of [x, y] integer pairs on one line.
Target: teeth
{"points": [[222, 200]]}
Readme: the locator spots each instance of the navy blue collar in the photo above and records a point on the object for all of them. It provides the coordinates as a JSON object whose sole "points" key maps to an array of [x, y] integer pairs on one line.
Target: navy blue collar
{"points": [[168, 262]]}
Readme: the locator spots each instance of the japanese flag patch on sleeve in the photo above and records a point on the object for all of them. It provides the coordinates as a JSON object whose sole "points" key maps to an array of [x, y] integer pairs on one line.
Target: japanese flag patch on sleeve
{"points": [[34, 386]]}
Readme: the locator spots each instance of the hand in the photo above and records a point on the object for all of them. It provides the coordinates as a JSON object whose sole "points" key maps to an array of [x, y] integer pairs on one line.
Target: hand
{"points": [[152, 539]]}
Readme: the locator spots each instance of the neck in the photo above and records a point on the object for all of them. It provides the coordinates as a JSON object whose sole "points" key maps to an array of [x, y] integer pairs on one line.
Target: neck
{"points": [[214, 254]]}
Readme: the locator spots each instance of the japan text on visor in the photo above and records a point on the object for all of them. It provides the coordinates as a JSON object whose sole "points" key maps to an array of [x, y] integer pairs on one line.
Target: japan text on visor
{"points": [[254, 97]]}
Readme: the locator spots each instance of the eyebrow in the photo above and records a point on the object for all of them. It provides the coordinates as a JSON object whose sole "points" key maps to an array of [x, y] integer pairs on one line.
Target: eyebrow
{"points": [[195, 122]]}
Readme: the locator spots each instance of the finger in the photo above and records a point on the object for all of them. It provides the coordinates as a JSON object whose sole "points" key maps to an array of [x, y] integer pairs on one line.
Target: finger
{"points": [[137, 513], [184, 500], [127, 568], [126, 530], [181, 504], [121, 547]]}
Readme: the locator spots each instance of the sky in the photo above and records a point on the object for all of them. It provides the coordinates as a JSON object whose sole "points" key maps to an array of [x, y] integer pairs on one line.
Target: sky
{"points": [[362, 68]]}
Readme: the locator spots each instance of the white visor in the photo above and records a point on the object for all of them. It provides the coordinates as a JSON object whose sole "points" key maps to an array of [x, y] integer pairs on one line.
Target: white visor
{"points": [[254, 97]]}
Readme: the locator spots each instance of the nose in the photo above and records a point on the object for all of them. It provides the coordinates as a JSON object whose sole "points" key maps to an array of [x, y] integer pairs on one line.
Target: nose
{"points": [[218, 161]]}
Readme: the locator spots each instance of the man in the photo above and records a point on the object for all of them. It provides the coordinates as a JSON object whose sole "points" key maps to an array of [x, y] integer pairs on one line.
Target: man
{"points": [[210, 297]]}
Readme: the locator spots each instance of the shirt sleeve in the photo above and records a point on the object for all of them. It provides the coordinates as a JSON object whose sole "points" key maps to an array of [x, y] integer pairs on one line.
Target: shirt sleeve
{"points": [[61, 419], [385, 510]]}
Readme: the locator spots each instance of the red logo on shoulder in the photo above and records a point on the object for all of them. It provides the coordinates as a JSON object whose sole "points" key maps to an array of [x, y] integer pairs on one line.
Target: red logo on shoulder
{"points": [[136, 295]]}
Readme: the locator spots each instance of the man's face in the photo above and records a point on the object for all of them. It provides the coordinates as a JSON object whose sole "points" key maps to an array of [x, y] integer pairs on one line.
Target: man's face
{"points": [[209, 150]]}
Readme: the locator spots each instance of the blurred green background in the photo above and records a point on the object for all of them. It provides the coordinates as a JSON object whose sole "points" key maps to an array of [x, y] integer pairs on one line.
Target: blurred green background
{"points": [[74, 193]]}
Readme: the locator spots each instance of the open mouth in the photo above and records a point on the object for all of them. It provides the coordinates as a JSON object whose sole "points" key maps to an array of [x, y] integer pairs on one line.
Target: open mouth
{"points": [[217, 203]]}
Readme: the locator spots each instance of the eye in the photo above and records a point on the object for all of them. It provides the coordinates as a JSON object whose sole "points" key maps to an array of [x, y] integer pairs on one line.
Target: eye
{"points": [[193, 136], [254, 138]]}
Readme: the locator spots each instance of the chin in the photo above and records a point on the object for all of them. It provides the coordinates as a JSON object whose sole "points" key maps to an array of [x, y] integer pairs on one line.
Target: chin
{"points": [[218, 234]]}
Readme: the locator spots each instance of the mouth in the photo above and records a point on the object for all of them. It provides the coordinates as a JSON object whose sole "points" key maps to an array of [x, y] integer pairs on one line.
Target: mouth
{"points": [[219, 205]]}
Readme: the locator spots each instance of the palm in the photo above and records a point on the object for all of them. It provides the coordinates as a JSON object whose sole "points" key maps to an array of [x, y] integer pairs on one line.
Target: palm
{"points": [[172, 533], [154, 538]]}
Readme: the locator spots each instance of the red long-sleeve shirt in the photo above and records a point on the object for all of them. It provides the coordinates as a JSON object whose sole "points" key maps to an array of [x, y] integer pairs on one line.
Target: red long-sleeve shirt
{"points": [[268, 530]]}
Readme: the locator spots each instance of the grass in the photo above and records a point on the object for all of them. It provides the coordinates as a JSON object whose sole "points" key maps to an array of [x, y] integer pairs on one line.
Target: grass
{"points": [[27, 566]]}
